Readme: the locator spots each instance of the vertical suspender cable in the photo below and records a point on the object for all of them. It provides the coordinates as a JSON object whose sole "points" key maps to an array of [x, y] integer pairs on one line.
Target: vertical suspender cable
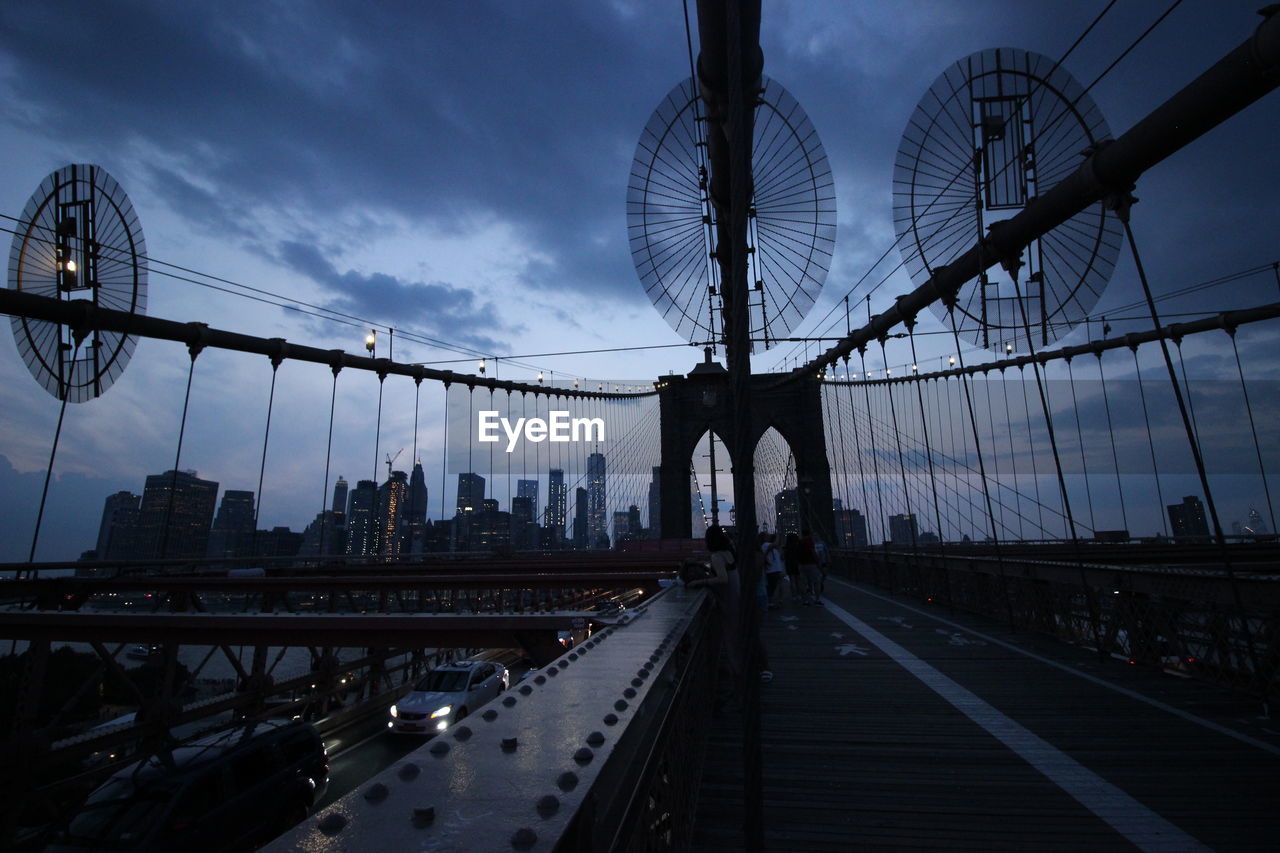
{"points": [[328, 455], [1111, 432], [1084, 464], [1253, 429], [194, 350], [65, 388], [1123, 210], [1151, 443], [266, 436]]}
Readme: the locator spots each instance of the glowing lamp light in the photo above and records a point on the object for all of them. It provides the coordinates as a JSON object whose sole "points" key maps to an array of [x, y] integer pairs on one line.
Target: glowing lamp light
{"points": [[1008, 347], [915, 368], [480, 367], [951, 359], [369, 340], [575, 383], [539, 377], [70, 266]]}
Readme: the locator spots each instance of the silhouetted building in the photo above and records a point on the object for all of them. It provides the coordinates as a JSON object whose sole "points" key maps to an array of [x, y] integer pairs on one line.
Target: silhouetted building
{"points": [[786, 509], [1187, 519], [117, 532], [621, 528], [176, 515], [490, 528], [278, 542], [326, 534], [580, 518], [902, 529], [361, 539], [557, 509], [851, 529], [524, 532], [655, 504], [232, 533], [528, 489], [470, 492], [392, 497], [597, 529], [340, 496]]}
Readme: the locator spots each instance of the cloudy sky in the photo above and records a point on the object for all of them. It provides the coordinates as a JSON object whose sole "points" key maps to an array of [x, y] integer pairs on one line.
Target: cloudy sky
{"points": [[458, 171]]}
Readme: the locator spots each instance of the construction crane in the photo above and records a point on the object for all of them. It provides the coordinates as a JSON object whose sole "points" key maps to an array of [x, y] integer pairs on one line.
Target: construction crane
{"points": [[391, 461]]}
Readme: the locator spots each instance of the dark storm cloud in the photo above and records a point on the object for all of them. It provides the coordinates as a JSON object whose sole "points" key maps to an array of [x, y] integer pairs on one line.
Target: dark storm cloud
{"points": [[437, 112], [434, 307]]}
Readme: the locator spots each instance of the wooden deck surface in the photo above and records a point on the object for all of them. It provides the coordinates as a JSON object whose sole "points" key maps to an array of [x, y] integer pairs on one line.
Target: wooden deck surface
{"points": [[931, 730]]}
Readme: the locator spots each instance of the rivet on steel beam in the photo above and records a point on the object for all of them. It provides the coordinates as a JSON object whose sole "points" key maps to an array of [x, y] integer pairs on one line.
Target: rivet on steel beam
{"points": [[630, 693], [408, 771], [553, 672], [636, 682], [489, 716], [524, 838], [548, 805], [424, 817], [644, 673], [583, 755], [564, 664], [525, 690], [647, 665], [567, 781], [573, 655], [376, 793], [509, 744], [610, 719], [439, 748], [461, 733], [539, 679], [653, 658], [509, 701], [595, 739], [620, 705], [332, 823]]}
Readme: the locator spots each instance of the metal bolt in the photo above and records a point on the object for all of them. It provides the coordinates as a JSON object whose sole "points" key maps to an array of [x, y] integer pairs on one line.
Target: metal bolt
{"points": [[524, 838], [548, 805], [439, 748], [553, 672], [573, 655], [489, 716], [424, 817], [408, 771], [648, 665], [509, 744], [376, 793], [332, 823], [595, 739], [525, 690], [461, 733], [610, 719], [564, 664], [630, 693], [583, 755], [620, 705], [644, 673], [636, 682], [568, 780], [509, 701], [539, 679]]}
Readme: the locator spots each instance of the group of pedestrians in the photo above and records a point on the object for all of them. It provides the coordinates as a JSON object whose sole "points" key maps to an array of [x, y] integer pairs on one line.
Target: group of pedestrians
{"points": [[804, 562]]}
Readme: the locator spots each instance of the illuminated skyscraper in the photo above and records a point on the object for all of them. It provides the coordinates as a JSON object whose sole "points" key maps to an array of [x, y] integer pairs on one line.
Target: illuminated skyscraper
{"points": [[557, 510], [392, 499], [597, 523], [360, 518]]}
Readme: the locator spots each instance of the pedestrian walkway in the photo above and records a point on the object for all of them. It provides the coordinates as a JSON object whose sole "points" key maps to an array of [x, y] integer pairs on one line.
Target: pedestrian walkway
{"points": [[892, 724]]}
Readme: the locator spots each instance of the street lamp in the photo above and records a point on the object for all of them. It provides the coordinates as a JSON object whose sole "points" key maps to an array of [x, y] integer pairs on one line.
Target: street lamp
{"points": [[370, 339]]}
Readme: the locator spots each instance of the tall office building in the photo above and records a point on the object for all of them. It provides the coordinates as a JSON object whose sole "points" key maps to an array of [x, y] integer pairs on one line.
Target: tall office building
{"points": [[416, 509], [655, 504], [1187, 519], [470, 493], [597, 523], [524, 535], [392, 497], [557, 508], [786, 508], [119, 520], [580, 518], [361, 540], [232, 533], [902, 529], [340, 495], [528, 489], [621, 527], [176, 514], [851, 528]]}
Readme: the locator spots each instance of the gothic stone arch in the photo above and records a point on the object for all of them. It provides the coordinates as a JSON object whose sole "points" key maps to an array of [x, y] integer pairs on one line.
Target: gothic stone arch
{"points": [[693, 404]]}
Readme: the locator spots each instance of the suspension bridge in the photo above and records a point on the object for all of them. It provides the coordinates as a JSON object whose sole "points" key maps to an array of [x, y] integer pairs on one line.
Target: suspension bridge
{"points": [[1038, 629]]}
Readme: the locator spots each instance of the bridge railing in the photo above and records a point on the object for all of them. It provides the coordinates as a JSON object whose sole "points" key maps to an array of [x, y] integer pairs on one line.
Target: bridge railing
{"points": [[1181, 620], [599, 750]]}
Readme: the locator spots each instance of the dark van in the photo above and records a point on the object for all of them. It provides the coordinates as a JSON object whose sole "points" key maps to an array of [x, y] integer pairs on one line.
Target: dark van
{"points": [[228, 791]]}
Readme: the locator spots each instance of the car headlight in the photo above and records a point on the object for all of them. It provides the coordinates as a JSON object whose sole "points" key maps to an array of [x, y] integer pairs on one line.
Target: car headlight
{"points": [[394, 712], [442, 712]]}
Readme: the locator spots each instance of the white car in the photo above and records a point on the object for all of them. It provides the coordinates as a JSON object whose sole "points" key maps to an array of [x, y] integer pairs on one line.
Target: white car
{"points": [[447, 694]]}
